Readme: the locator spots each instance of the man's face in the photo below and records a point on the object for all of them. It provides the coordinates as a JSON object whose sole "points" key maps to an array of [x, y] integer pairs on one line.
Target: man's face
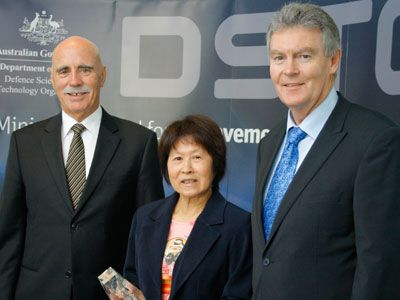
{"points": [[77, 76], [301, 73]]}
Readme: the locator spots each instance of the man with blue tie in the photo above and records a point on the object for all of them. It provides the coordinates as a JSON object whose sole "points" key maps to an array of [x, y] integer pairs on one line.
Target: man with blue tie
{"points": [[326, 207]]}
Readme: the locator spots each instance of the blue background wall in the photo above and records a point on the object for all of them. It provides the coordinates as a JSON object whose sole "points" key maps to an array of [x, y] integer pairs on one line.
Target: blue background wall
{"points": [[167, 59]]}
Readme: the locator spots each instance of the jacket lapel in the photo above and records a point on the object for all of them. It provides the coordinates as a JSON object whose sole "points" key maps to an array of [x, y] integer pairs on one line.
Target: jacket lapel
{"points": [[200, 241], [107, 144], [156, 233], [270, 152], [51, 143], [327, 141]]}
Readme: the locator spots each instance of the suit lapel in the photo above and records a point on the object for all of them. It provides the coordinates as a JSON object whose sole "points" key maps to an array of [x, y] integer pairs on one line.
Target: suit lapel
{"points": [[51, 143], [327, 141], [156, 234], [200, 241], [269, 153], [107, 144]]}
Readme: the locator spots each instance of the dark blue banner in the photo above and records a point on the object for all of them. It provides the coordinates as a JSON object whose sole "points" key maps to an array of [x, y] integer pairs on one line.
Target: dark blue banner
{"points": [[167, 59]]}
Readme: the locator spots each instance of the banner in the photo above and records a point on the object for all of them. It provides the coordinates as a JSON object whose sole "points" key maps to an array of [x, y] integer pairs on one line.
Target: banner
{"points": [[167, 59]]}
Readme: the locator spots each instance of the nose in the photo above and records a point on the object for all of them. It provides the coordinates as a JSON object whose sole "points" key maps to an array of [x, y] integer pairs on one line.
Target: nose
{"points": [[291, 67], [75, 79], [187, 166]]}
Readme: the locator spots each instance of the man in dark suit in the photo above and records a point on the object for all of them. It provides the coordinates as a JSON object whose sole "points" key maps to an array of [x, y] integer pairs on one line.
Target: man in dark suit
{"points": [[64, 214], [326, 207]]}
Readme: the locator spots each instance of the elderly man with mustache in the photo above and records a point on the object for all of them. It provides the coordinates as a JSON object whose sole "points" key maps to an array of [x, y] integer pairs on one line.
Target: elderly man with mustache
{"points": [[71, 187]]}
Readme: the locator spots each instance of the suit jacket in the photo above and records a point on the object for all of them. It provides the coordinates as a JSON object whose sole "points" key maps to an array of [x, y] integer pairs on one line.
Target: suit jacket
{"points": [[215, 262], [47, 249], [336, 234]]}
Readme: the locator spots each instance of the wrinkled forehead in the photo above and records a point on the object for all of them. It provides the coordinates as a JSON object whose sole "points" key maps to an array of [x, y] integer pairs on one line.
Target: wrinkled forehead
{"points": [[75, 54], [285, 28], [296, 36]]}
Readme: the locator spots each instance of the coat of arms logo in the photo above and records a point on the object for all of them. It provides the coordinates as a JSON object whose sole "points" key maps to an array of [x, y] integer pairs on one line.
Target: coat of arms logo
{"points": [[43, 30]]}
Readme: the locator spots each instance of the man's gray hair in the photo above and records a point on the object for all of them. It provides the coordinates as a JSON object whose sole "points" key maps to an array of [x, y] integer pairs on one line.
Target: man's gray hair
{"points": [[307, 16]]}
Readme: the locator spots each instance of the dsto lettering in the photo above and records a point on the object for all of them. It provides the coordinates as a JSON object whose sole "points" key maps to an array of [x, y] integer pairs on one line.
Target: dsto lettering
{"points": [[134, 29], [250, 56], [387, 78]]}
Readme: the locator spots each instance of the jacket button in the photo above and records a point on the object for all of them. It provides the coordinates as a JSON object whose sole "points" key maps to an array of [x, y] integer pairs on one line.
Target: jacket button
{"points": [[68, 274], [266, 261], [74, 226]]}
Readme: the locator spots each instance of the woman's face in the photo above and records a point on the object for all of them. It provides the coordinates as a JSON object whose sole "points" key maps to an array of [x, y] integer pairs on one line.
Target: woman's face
{"points": [[190, 169]]}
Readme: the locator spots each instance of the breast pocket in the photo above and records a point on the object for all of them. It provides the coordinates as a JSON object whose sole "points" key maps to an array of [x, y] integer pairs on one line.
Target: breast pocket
{"points": [[333, 210], [330, 197]]}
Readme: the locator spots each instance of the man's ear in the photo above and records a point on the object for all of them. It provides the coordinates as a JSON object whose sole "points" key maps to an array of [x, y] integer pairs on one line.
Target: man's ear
{"points": [[335, 61], [103, 76], [52, 77]]}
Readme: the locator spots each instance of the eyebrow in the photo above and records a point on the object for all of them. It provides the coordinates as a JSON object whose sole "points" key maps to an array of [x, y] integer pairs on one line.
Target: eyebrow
{"points": [[61, 68], [85, 67], [305, 49]]}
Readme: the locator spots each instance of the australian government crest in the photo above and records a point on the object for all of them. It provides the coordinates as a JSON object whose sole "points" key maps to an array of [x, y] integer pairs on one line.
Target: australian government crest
{"points": [[43, 29]]}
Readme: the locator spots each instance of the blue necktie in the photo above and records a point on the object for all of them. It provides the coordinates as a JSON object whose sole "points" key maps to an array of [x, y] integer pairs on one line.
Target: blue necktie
{"points": [[282, 177]]}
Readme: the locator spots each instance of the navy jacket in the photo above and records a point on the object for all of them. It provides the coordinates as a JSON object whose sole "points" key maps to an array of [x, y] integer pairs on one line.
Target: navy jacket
{"points": [[336, 233], [215, 263]]}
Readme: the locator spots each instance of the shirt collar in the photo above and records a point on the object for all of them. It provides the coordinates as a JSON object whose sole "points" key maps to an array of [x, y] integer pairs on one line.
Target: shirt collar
{"points": [[315, 121], [91, 123]]}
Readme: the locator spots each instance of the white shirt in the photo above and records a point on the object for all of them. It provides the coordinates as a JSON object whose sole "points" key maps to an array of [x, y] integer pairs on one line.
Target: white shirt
{"points": [[89, 135], [312, 126]]}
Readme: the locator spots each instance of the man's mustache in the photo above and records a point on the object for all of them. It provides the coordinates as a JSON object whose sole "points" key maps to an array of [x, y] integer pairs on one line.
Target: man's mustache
{"points": [[76, 89]]}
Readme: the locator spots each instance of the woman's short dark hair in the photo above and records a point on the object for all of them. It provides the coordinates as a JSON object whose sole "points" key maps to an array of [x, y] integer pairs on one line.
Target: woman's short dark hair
{"points": [[204, 132]]}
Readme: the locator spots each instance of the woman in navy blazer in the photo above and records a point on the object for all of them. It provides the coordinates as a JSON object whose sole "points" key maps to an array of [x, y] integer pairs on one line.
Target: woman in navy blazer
{"points": [[193, 244]]}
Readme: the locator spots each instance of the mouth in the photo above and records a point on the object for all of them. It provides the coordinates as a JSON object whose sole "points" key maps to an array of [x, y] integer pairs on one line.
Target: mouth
{"points": [[188, 181], [76, 94], [292, 84]]}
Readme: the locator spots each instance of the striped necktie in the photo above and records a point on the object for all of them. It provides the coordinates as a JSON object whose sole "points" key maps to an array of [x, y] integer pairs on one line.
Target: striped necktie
{"points": [[75, 168]]}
